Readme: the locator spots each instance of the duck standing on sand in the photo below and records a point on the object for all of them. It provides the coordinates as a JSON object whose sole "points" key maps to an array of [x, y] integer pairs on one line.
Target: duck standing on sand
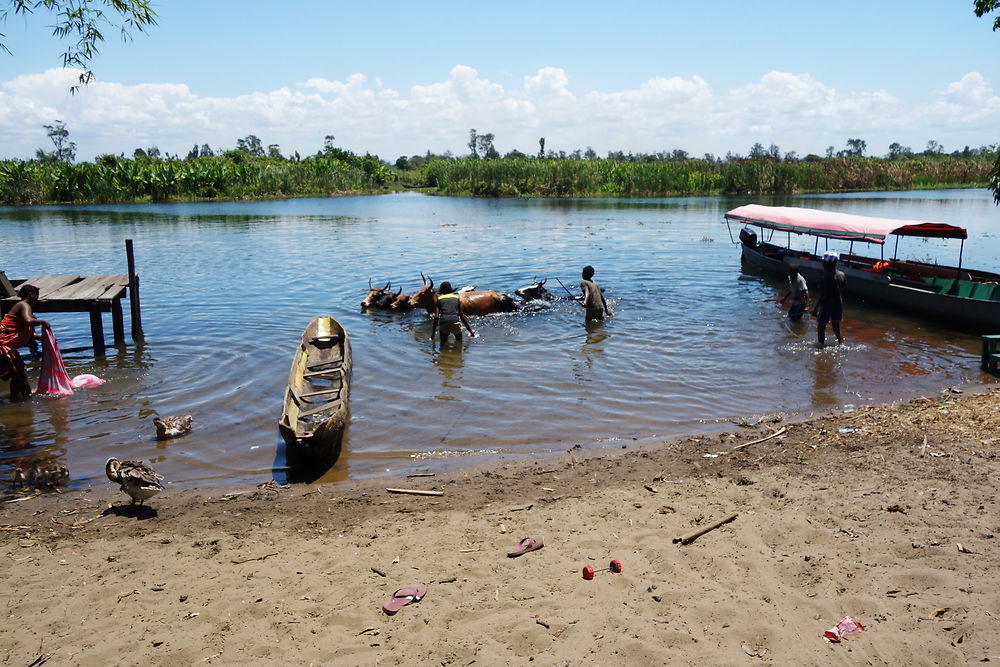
{"points": [[172, 427], [137, 479]]}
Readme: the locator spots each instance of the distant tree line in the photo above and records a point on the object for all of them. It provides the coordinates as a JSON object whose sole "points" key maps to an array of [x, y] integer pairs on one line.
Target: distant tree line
{"points": [[251, 170]]}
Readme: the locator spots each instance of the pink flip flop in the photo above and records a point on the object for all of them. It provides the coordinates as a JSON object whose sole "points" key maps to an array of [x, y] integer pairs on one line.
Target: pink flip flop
{"points": [[403, 597], [524, 546]]}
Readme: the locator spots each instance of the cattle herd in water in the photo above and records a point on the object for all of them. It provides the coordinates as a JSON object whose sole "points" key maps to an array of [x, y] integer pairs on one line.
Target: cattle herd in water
{"points": [[474, 302]]}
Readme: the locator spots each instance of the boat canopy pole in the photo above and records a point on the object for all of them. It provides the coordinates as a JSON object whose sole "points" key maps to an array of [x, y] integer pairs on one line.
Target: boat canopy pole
{"points": [[816, 247], [851, 251], [789, 243], [960, 249], [895, 253], [730, 230]]}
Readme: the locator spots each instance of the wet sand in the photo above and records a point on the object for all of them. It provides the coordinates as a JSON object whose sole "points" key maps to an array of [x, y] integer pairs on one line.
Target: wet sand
{"points": [[892, 522]]}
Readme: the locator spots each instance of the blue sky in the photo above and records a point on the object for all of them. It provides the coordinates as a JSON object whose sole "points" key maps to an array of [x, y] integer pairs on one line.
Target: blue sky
{"points": [[400, 78]]}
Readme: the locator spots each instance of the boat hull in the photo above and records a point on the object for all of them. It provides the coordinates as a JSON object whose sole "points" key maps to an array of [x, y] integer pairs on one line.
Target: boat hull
{"points": [[977, 315], [315, 411]]}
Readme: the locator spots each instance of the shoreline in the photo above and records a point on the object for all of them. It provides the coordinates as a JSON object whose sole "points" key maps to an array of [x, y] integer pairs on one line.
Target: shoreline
{"points": [[892, 522]]}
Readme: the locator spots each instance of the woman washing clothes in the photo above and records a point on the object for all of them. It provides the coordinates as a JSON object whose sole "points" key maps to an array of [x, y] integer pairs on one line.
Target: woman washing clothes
{"points": [[17, 329]]}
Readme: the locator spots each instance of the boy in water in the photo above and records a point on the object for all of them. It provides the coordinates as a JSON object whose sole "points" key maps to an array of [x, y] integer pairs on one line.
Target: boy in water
{"points": [[449, 315], [830, 304], [593, 296], [799, 293]]}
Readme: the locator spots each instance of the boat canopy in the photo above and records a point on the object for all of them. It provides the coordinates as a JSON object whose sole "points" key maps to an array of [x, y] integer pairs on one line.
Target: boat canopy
{"points": [[833, 225]]}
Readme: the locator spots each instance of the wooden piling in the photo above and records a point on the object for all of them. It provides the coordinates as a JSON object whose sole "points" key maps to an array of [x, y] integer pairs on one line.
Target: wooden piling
{"points": [[133, 293]]}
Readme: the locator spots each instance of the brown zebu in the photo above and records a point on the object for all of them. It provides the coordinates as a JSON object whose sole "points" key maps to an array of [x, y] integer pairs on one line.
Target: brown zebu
{"points": [[378, 297], [479, 302]]}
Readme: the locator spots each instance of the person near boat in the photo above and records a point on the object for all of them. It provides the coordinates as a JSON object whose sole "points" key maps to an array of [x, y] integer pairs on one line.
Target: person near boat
{"points": [[830, 304], [798, 291], [449, 315], [17, 329], [593, 296]]}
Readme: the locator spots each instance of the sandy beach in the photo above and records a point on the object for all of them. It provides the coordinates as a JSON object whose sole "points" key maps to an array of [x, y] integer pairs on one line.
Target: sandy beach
{"points": [[887, 514]]}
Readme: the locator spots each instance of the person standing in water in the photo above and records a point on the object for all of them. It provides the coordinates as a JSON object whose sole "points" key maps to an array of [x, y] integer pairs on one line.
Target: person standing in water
{"points": [[593, 296], [830, 304], [449, 315], [799, 293], [17, 329]]}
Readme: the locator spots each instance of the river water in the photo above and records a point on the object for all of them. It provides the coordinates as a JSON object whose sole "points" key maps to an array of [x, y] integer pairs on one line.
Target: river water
{"points": [[228, 287]]}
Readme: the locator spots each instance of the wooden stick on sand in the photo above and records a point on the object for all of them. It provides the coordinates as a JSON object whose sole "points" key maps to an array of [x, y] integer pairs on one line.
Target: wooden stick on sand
{"points": [[416, 492], [767, 437], [691, 537]]}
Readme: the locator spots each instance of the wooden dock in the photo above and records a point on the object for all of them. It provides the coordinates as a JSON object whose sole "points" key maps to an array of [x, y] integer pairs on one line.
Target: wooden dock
{"points": [[95, 295]]}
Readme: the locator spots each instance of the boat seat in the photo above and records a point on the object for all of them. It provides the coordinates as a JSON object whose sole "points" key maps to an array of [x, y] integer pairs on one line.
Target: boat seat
{"points": [[963, 288], [319, 408], [330, 364], [983, 291], [325, 371]]}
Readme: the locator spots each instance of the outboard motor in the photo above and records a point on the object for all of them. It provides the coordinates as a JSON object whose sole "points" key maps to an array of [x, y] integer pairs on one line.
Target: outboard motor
{"points": [[748, 237]]}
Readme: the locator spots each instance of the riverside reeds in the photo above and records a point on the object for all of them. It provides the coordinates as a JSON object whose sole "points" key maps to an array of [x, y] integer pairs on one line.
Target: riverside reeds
{"points": [[237, 175], [230, 176], [612, 178]]}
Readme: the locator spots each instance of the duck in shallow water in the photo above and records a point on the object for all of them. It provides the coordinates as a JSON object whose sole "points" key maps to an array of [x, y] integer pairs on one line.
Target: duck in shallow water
{"points": [[172, 427], [135, 478]]}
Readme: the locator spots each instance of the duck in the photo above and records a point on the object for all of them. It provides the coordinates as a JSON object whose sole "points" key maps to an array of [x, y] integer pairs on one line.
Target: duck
{"points": [[136, 479], [41, 473], [172, 427]]}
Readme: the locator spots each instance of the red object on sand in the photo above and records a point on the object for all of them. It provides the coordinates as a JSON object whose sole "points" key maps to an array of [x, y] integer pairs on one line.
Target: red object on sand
{"points": [[588, 572], [52, 379], [846, 625], [615, 566]]}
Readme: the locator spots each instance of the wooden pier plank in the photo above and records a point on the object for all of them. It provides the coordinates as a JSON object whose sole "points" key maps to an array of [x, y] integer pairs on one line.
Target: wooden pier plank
{"points": [[47, 284], [88, 289]]}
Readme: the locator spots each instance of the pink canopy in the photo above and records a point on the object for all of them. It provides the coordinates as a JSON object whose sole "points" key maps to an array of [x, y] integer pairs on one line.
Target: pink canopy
{"points": [[839, 225]]}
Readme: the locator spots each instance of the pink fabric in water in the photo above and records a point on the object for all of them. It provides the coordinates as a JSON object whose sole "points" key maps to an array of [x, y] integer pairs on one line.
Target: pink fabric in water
{"points": [[80, 381], [52, 379]]}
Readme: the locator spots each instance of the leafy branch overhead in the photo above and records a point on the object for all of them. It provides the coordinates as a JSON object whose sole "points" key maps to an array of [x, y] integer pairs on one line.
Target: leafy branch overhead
{"points": [[83, 22], [984, 7]]}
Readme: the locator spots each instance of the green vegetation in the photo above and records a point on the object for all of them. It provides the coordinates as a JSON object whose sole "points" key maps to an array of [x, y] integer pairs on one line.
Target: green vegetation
{"points": [[253, 172], [527, 177], [82, 23], [232, 175]]}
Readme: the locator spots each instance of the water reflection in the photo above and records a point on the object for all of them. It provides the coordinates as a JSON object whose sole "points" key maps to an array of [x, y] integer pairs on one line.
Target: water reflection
{"points": [[696, 342]]}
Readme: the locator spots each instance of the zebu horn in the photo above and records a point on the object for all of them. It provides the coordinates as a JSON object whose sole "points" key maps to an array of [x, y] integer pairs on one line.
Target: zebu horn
{"points": [[370, 284]]}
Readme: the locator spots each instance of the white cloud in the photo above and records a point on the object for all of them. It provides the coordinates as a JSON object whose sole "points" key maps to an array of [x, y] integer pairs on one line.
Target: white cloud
{"points": [[794, 111]]}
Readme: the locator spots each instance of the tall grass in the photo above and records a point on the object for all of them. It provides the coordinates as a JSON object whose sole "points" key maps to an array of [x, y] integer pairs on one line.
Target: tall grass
{"points": [[526, 177], [233, 175]]}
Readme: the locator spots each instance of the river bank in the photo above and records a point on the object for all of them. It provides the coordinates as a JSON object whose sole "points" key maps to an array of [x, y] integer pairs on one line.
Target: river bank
{"points": [[887, 514]]}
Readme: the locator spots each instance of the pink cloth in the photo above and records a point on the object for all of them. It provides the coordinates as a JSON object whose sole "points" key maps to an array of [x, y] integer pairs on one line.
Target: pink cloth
{"points": [[85, 380], [52, 378]]}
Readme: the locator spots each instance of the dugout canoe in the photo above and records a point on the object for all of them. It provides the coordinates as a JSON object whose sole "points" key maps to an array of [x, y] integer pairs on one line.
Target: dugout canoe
{"points": [[315, 409]]}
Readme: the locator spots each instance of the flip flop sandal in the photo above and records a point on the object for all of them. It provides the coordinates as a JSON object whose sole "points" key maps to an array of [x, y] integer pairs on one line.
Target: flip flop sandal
{"points": [[524, 546], [403, 597]]}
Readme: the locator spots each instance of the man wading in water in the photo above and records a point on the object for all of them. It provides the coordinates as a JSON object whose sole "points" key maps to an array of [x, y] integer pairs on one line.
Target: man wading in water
{"points": [[593, 296], [449, 316], [830, 305]]}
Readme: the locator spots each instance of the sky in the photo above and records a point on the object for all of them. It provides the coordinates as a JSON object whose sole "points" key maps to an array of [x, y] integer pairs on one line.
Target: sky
{"points": [[401, 78]]}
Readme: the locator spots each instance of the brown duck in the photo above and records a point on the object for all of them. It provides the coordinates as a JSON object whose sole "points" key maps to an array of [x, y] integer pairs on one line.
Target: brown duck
{"points": [[172, 427], [136, 479]]}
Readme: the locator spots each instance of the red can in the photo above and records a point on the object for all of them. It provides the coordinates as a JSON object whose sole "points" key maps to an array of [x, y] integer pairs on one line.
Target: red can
{"points": [[615, 566], [588, 572]]}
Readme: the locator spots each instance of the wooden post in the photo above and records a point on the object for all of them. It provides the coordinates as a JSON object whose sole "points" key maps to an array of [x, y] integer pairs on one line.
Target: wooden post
{"points": [[97, 330], [133, 293], [117, 323]]}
